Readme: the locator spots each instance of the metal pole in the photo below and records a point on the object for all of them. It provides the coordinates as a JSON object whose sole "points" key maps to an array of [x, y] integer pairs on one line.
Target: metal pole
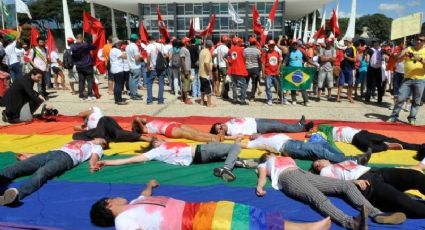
{"points": [[2, 14], [127, 22], [114, 26]]}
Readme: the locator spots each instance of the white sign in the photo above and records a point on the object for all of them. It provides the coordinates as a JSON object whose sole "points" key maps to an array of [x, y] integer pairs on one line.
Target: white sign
{"points": [[406, 26]]}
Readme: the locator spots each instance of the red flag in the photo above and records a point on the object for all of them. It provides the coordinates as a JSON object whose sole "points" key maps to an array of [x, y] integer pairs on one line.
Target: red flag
{"points": [[333, 24], [210, 27], [269, 23], [34, 36], [99, 43], [91, 25], [161, 25], [321, 33], [192, 31], [50, 42], [256, 24], [143, 33]]}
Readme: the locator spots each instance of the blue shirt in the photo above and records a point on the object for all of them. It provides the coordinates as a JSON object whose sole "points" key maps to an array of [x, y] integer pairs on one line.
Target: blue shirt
{"points": [[81, 54], [295, 59]]}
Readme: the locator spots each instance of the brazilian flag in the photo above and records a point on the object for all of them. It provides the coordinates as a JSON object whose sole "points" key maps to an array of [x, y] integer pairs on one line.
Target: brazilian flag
{"points": [[297, 78]]}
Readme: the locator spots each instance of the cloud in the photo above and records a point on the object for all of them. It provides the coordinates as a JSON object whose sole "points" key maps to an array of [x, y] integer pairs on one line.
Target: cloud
{"points": [[342, 14], [392, 7], [414, 3]]}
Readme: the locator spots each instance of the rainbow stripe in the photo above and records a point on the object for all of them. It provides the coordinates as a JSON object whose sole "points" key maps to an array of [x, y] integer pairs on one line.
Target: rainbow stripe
{"points": [[226, 215]]}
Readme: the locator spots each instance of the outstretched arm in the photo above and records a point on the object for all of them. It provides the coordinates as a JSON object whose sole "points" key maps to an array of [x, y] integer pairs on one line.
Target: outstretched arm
{"points": [[130, 160], [149, 188], [93, 163], [261, 182]]}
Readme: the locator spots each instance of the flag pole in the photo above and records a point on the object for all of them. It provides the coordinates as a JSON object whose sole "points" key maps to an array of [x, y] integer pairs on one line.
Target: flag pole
{"points": [[2, 14], [17, 23]]}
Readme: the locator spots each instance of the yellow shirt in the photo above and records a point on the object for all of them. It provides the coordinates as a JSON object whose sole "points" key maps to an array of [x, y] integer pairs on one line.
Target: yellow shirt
{"points": [[204, 57], [415, 71], [106, 50]]}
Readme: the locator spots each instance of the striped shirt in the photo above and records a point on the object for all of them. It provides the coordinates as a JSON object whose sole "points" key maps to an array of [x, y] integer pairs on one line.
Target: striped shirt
{"points": [[252, 56]]}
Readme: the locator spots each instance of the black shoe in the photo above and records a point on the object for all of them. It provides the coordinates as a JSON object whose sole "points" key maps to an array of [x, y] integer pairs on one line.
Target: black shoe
{"points": [[247, 163], [308, 126], [244, 103], [121, 103], [302, 120], [360, 222], [364, 158], [10, 196], [136, 98], [225, 174], [4, 116], [420, 154], [43, 110], [390, 218]]}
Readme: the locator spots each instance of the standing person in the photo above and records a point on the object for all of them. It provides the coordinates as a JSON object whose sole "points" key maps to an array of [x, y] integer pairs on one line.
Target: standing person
{"points": [[326, 59], [253, 60], [312, 189], [70, 66], [134, 60], [398, 76], [56, 65], [176, 65], [83, 61], [362, 73], [194, 67], [118, 212], [117, 58], [43, 167], [106, 50], [38, 59], [12, 58], [271, 67], [347, 67], [414, 79], [295, 59], [374, 56], [222, 52], [237, 69], [205, 73], [20, 100], [185, 70], [155, 52]]}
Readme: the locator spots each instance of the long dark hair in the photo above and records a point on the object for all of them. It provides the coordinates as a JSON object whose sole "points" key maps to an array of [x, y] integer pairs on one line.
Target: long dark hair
{"points": [[213, 130]]}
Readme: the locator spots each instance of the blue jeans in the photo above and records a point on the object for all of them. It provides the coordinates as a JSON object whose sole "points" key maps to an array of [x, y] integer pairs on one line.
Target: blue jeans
{"points": [[135, 75], [273, 126], [196, 83], [397, 81], [272, 81], [239, 81], [15, 71], [142, 80], [313, 151], [149, 82], [409, 86], [41, 167]]}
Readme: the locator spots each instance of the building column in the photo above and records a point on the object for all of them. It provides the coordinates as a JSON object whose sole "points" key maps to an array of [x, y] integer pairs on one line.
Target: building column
{"points": [[92, 12], [246, 20], [127, 22], [175, 18], [283, 6], [114, 26]]}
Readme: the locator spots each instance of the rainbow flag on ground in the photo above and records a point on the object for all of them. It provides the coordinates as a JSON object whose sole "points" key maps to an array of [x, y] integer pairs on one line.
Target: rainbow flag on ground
{"points": [[297, 78]]}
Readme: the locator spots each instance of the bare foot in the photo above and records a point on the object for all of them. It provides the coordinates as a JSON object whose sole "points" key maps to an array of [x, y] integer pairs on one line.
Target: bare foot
{"points": [[22, 156], [320, 225], [73, 93]]}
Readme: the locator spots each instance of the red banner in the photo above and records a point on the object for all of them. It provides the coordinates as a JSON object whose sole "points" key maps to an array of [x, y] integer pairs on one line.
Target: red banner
{"points": [[34, 36], [143, 33], [192, 31], [210, 28], [256, 24], [161, 25], [50, 42], [333, 24], [269, 23]]}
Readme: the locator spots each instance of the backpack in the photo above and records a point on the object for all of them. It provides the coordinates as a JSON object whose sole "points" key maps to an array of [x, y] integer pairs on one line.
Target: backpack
{"points": [[175, 59], [161, 64], [68, 63], [376, 58]]}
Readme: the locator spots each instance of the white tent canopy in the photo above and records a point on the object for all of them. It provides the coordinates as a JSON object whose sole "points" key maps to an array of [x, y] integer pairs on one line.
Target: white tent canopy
{"points": [[295, 9]]}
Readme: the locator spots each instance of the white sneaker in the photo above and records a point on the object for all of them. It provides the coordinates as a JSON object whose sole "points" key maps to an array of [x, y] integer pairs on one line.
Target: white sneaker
{"points": [[91, 98], [307, 104], [270, 103], [83, 99], [294, 103]]}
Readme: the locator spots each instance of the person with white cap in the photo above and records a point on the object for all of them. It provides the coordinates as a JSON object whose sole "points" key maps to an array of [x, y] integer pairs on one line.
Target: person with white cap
{"points": [[116, 58], [347, 67]]}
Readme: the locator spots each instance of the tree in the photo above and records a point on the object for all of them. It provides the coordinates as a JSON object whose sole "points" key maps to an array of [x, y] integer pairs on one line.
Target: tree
{"points": [[379, 26]]}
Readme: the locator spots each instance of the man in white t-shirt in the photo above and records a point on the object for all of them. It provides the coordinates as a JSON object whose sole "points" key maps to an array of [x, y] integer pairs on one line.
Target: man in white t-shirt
{"points": [[221, 52], [13, 61], [363, 139], [38, 59], [45, 166], [134, 60], [180, 153], [91, 117], [161, 212], [56, 66]]}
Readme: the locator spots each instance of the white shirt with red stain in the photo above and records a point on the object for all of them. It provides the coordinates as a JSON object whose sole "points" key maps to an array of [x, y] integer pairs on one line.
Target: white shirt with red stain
{"points": [[158, 126], [94, 117], [245, 126], [346, 170], [344, 134], [80, 151], [275, 166], [271, 142], [175, 153]]}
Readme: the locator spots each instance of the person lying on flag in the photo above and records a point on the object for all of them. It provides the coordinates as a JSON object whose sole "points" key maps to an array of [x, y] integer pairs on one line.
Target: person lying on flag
{"points": [[383, 187], [173, 130], [45, 166], [161, 212], [363, 139], [91, 117], [282, 144], [180, 153], [312, 189], [248, 126]]}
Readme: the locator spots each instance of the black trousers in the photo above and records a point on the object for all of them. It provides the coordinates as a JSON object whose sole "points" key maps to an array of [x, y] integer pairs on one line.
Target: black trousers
{"points": [[254, 75], [364, 139], [109, 129], [387, 186], [374, 80], [85, 74]]}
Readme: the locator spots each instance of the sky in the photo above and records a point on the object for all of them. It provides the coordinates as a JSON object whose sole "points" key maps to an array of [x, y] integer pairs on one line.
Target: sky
{"points": [[390, 8]]}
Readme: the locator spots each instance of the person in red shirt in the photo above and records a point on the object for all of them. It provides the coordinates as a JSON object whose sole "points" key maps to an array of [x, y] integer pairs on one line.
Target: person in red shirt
{"points": [[237, 69], [271, 66]]}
